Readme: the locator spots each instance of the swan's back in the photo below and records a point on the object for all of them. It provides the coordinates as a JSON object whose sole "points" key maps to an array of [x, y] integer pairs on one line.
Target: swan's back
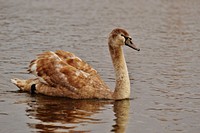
{"points": [[62, 73]]}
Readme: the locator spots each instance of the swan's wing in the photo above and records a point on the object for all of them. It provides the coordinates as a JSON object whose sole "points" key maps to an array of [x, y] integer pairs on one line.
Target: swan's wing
{"points": [[66, 70], [76, 62]]}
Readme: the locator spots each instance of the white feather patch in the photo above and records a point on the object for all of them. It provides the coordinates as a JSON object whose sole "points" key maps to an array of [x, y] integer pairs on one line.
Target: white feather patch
{"points": [[42, 80], [78, 72], [55, 56], [75, 57], [34, 69], [14, 81]]}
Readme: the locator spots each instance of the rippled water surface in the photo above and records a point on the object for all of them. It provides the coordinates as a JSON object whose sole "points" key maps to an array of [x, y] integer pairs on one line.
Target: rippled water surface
{"points": [[165, 74]]}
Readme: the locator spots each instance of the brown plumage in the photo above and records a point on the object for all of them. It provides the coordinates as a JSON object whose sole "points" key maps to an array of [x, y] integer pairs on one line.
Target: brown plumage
{"points": [[63, 74]]}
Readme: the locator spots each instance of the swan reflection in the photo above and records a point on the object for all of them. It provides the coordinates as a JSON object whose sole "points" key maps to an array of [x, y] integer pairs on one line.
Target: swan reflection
{"points": [[49, 114], [121, 109]]}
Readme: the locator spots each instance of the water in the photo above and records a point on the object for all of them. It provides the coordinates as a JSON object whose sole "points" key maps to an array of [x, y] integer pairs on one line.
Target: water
{"points": [[165, 88]]}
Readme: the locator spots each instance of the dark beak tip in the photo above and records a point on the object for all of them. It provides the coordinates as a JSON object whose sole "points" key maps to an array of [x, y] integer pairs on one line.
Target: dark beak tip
{"points": [[138, 49]]}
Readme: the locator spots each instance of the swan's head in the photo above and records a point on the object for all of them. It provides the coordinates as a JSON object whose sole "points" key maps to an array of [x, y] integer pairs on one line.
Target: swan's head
{"points": [[119, 37]]}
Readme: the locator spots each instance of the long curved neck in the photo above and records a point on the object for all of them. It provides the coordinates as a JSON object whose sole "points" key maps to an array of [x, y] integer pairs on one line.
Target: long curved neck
{"points": [[122, 88]]}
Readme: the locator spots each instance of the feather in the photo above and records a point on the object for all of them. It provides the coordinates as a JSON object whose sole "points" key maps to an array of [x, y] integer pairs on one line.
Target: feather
{"points": [[62, 69]]}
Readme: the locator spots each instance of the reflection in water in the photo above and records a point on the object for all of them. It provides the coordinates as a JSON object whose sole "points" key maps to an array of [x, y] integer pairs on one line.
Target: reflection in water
{"points": [[121, 109], [66, 115]]}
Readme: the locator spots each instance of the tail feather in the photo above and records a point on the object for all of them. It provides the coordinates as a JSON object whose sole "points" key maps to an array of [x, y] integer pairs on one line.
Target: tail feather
{"points": [[24, 85]]}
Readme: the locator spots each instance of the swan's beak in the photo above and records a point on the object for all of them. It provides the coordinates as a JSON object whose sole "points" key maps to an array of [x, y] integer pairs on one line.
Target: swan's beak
{"points": [[131, 44]]}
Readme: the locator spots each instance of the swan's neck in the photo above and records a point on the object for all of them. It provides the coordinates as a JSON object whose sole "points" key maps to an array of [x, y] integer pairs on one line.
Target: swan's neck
{"points": [[122, 88]]}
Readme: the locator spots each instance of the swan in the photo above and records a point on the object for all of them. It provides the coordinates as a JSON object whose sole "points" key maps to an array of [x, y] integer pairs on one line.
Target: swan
{"points": [[63, 74]]}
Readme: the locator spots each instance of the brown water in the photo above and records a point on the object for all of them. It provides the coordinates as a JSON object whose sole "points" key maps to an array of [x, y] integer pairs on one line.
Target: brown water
{"points": [[165, 74]]}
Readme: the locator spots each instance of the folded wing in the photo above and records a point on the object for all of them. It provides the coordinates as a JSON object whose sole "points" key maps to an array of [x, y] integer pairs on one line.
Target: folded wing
{"points": [[64, 69]]}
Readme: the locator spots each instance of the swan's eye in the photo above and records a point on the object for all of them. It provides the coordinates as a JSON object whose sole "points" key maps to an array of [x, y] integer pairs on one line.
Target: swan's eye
{"points": [[125, 37]]}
